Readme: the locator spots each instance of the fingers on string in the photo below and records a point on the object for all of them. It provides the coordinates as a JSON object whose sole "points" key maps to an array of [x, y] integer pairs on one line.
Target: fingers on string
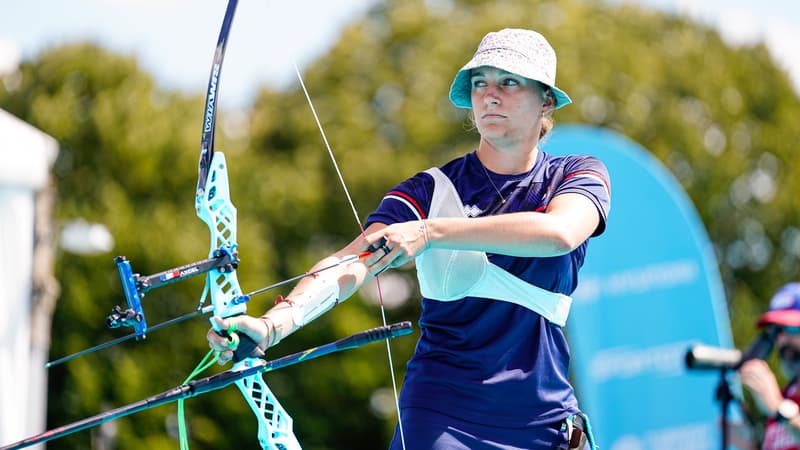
{"points": [[382, 265], [381, 246], [372, 248]]}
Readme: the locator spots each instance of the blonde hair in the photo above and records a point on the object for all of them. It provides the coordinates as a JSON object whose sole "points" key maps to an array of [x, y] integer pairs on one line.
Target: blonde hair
{"points": [[547, 125], [547, 120]]}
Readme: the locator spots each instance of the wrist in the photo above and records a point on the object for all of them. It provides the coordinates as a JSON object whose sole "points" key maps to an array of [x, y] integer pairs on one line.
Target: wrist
{"points": [[278, 322], [270, 335], [423, 227]]}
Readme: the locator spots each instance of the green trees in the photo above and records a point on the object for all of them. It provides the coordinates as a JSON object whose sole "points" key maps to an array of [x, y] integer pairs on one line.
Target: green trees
{"points": [[721, 118]]}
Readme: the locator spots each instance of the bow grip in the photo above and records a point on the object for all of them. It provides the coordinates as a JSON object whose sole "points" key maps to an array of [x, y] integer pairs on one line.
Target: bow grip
{"points": [[246, 348]]}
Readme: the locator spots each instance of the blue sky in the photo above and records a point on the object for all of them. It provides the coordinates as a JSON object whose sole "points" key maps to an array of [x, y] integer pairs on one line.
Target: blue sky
{"points": [[174, 39]]}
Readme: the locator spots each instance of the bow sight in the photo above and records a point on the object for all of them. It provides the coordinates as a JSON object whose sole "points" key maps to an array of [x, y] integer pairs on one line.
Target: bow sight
{"points": [[135, 286]]}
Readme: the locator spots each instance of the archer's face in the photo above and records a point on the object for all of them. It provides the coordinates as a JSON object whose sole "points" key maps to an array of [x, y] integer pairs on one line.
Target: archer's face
{"points": [[788, 344], [506, 105]]}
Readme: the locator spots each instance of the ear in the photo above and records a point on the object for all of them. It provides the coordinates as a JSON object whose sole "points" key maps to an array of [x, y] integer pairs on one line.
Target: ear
{"points": [[549, 103]]}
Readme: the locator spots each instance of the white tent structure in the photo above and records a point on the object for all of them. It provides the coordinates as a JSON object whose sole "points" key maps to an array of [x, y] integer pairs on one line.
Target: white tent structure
{"points": [[27, 288]]}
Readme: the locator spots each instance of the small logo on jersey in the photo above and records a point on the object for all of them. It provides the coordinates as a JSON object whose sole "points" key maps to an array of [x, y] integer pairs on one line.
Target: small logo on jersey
{"points": [[472, 210]]}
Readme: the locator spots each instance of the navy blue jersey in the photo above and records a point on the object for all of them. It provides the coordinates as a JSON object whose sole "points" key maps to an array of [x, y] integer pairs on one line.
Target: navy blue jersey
{"points": [[487, 361]]}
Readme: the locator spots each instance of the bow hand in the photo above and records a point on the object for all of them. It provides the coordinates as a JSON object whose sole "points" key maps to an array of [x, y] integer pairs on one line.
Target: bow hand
{"points": [[237, 337]]}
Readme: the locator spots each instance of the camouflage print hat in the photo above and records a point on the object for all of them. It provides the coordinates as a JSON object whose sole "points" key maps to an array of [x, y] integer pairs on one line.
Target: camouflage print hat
{"points": [[522, 52]]}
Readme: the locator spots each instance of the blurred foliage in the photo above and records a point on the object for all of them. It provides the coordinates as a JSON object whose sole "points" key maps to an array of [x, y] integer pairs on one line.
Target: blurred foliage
{"points": [[721, 118]]}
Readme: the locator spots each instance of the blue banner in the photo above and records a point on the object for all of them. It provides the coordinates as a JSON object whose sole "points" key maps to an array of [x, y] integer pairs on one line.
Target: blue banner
{"points": [[649, 289]]}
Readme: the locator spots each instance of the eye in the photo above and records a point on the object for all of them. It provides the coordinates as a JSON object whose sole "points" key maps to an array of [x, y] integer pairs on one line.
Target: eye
{"points": [[509, 81], [478, 82]]}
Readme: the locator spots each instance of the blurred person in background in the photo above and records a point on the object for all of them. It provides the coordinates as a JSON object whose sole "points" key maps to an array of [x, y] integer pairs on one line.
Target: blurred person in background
{"points": [[498, 236], [779, 405]]}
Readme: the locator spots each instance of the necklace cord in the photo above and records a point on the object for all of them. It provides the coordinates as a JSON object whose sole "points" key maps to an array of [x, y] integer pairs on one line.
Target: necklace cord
{"points": [[488, 177]]}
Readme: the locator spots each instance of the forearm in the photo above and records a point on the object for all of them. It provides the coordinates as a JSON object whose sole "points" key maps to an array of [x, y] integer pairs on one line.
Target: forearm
{"points": [[516, 234], [338, 278], [350, 273], [569, 220]]}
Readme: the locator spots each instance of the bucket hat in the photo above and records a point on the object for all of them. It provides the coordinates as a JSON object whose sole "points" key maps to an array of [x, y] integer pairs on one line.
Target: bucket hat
{"points": [[521, 52], [784, 307]]}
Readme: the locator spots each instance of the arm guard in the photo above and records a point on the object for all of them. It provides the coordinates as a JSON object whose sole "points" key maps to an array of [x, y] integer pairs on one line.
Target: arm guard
{"points": [[320, 294]]}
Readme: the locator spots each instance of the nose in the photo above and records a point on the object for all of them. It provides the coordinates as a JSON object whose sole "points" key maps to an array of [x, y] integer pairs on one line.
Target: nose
{"points": [[490, 97]]}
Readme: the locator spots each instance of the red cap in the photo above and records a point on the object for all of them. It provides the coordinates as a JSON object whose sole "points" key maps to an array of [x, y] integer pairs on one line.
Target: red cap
{"points": [[784, 307]]}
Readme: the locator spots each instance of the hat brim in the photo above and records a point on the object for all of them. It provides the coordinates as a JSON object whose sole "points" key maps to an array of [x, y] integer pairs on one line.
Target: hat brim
{"points": [[461, 90], [785, 317]]}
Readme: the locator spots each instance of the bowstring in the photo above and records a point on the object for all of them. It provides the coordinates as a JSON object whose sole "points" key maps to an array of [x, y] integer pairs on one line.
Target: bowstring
{"points": [[363, 233]]}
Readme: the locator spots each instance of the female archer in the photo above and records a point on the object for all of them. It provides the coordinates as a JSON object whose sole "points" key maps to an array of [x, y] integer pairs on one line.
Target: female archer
{"points": [[498, 236]]}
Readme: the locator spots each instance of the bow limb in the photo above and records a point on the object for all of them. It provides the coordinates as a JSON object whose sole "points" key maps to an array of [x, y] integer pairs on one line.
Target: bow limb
{"points": [[214, 207], [218, 212]]}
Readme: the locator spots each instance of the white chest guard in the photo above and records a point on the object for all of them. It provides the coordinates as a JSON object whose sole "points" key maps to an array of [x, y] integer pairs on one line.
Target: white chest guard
{"points": [[450, 275]]}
